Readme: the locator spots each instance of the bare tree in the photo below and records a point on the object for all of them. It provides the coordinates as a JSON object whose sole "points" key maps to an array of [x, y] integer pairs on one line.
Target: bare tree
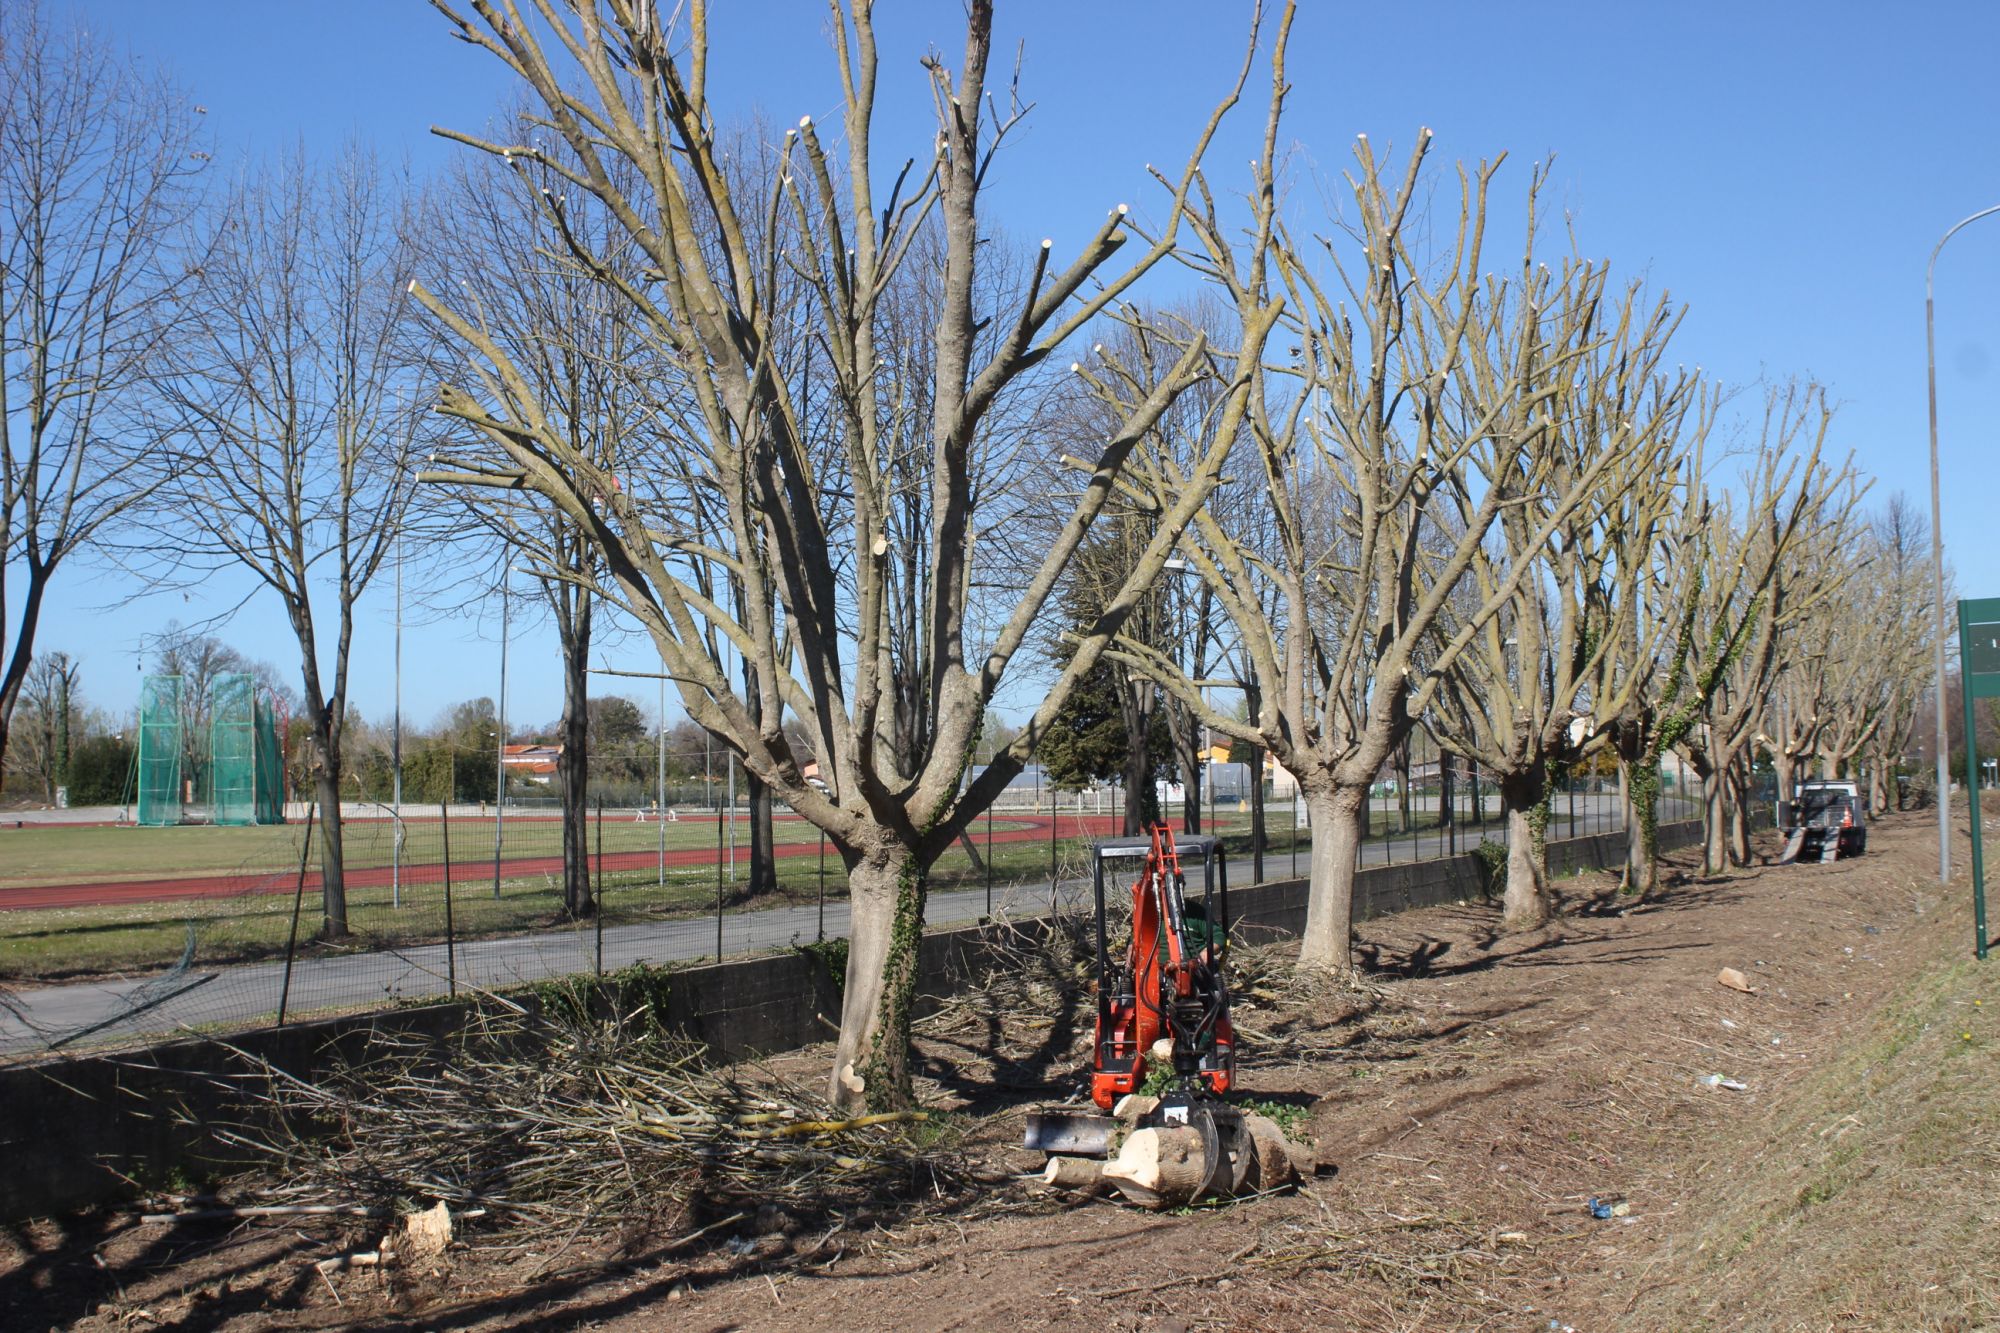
{"points": [[1899, 589], [1767, 569], [50, 698], [789, 555], [1417, 412], [1516, 700], [98, 166], [1708, 584], [573, 340], [288, 440]]}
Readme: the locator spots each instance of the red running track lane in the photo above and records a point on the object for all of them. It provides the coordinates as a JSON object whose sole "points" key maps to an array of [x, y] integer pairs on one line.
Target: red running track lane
{"points": [[472, 870]]}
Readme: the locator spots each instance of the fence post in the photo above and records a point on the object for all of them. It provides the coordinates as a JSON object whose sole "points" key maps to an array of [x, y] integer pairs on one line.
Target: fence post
{"points": [[822, 886], [450, 934], [298, 902]]}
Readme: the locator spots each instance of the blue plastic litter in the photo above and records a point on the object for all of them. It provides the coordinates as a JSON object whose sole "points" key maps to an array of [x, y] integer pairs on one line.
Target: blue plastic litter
{"points": [[1600, 1210]]}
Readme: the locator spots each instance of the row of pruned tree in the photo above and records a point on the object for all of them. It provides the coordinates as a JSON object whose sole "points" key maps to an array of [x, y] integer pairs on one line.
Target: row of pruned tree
{"points": [[852, 460]]}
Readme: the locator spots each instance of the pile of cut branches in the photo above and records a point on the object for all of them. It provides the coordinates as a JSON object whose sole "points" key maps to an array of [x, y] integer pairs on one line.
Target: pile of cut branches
{"points": [[539, 1119], [1035, 977], [1283, 1011]]}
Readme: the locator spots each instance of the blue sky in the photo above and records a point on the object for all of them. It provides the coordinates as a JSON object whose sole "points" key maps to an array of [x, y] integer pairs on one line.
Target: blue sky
{"points": [[1782, 168]]}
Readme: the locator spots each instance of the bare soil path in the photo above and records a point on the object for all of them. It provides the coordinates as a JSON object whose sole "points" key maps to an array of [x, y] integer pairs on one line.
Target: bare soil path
{"points": [[1474, 1098]]}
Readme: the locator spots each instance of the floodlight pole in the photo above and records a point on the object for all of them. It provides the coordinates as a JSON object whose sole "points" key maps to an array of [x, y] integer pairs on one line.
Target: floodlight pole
{"points": [[1937, 550], [500, 741], [396, 740]]}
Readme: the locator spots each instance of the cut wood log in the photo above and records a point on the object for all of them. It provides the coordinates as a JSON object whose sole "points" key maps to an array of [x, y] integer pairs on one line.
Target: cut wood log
{"points": [[1085, 1175], [1276, 1162], [1158, 1168], [1133, 1106]]}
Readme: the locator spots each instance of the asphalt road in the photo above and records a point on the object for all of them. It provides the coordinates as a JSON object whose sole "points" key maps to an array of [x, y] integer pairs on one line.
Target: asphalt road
{"points": [[241, 995]]}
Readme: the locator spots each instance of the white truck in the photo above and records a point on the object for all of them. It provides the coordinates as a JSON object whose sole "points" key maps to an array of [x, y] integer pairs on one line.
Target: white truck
{"points": [[1825, 820]]}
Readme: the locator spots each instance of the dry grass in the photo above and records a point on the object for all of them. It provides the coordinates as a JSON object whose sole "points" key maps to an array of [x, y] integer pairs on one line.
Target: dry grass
{"points": [[1872, 1201]]}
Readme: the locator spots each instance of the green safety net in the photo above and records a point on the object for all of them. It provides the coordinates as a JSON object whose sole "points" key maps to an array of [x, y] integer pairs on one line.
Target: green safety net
{"points": [[159, 750], [232, 749], [270, 766]]}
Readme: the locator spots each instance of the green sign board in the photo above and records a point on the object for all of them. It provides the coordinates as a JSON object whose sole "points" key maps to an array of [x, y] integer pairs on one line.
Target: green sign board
{"points": [[1979, 678]]}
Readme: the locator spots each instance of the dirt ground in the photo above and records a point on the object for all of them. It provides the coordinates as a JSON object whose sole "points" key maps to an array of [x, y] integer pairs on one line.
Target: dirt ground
{"points": [[1467, 1105]]}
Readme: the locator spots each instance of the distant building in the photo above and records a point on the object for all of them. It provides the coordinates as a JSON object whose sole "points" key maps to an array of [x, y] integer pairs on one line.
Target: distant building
{"points": [[531, 763]]}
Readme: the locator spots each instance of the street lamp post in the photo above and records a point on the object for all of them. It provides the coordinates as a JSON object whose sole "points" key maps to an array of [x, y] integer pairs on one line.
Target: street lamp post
{"points": [[1937, 547]]}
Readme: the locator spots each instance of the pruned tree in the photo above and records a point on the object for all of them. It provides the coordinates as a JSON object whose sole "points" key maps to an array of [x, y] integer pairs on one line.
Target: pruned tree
{"points": [[1709, 585], [1413, 413], [286, 458], [789, 577], [99, 168], [1517, 700], [1769, 567], [1891, 639]]}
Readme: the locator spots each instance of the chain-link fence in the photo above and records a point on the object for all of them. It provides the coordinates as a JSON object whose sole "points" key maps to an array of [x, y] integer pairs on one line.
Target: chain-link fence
{"points": [[119, 933]]}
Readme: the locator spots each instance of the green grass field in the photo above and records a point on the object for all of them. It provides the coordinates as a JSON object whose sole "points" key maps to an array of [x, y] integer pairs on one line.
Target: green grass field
{"points": [[58, 854], [70, 942]]}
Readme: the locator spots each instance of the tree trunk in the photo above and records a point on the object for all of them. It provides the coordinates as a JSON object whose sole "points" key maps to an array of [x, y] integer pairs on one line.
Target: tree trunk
{"points": [[871, 1065], [763, 853], [1403, 788], [1739, 813], [1878, 785], [1525, 903], [1336, 814], [1783, 768], [24, 649], [763, 879], [1447, 794], [1257, 843], [1642, 845], [1191, 798], [333, 882], [1714, 819], [573, 778], [1140, 799]]}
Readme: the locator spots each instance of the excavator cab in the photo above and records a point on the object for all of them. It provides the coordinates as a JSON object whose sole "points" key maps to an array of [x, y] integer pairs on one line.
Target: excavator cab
{"points": [[1162, 1003], [1168, 985]]}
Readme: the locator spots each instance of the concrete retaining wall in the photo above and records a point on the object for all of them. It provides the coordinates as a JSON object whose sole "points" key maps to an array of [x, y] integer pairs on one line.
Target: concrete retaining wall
{"points": [[95, 1129]]}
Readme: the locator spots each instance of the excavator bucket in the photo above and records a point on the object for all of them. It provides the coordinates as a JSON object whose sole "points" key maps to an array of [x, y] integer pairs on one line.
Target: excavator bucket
{"points": [[1070, 1135]]}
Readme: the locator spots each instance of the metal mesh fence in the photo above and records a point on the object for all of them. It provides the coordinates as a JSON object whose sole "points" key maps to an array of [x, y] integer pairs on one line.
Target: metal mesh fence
{"points": [[230, 927], [159, 793]]}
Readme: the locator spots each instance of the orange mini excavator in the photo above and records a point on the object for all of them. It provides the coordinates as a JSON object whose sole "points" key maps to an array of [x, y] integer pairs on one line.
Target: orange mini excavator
{"points": [[1164, 1005]]}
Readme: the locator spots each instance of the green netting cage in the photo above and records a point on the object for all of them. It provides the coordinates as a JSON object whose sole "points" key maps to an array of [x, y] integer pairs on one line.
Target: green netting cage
{"points": [[159, 794], [245, 767], [232, 749], [270, 765]]}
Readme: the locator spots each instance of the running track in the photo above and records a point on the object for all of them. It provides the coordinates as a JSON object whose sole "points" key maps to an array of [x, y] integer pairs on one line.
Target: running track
{"points": [[473, 869]]}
